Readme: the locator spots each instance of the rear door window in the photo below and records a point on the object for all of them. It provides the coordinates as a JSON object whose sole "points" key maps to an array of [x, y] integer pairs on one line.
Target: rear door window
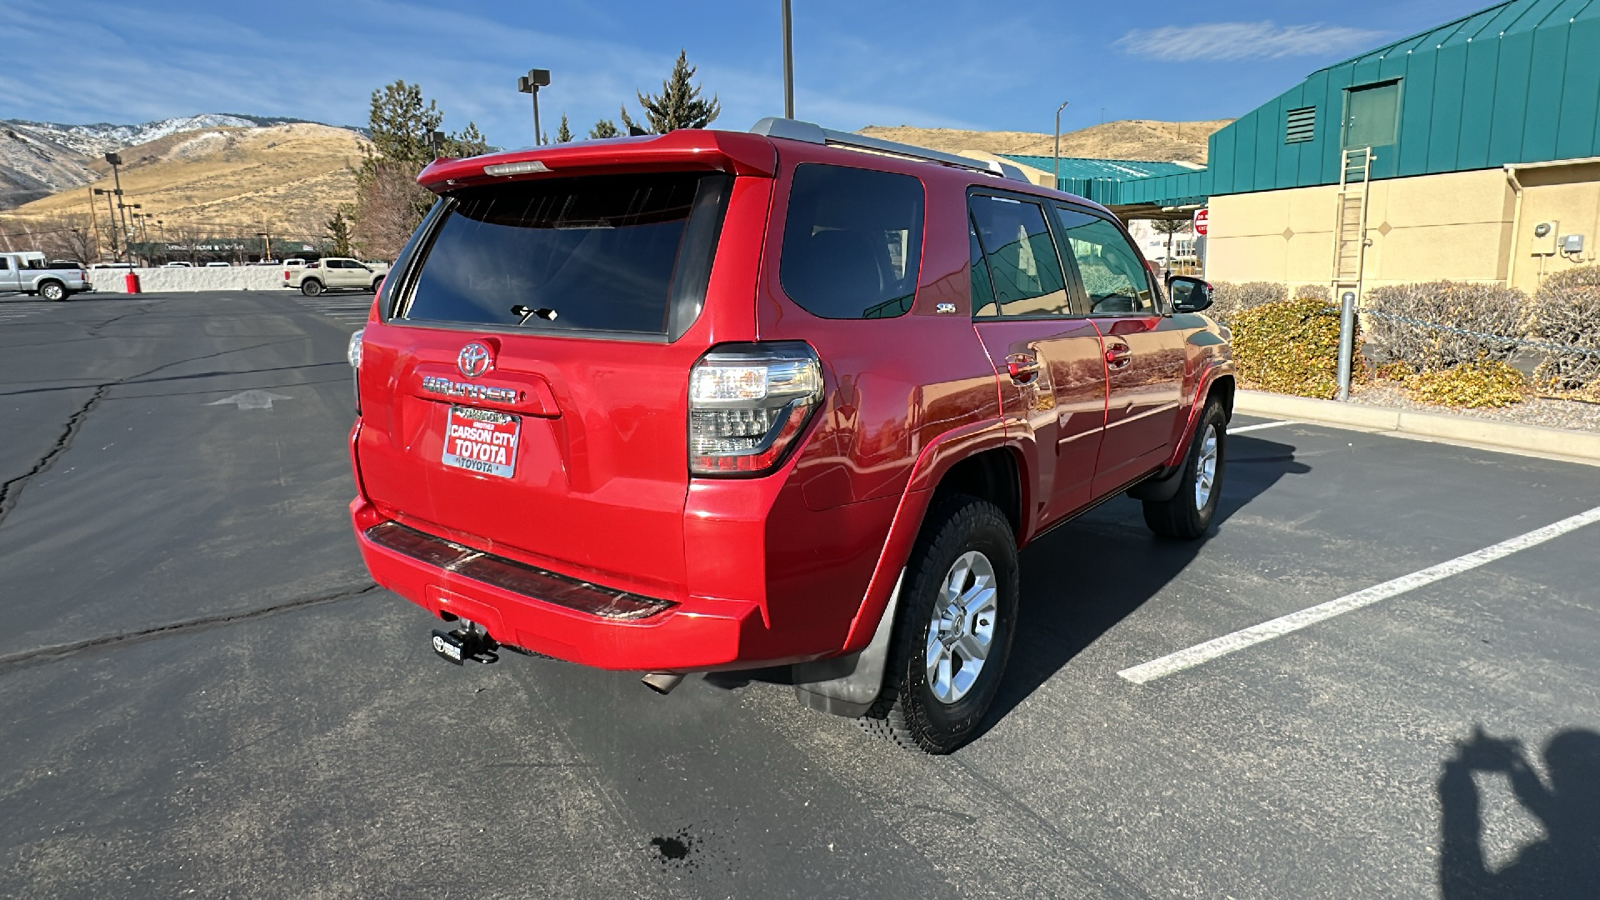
{"points": [[852, 242], [1023, 267], [622, 253]]}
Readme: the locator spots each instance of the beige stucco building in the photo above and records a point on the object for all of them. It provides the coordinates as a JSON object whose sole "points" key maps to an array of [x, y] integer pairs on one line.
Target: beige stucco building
{"points": [[1469, 152]]}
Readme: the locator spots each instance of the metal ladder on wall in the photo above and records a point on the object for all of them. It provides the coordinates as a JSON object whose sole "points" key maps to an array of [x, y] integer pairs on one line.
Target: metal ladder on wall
{"points": [[1350, 231]]}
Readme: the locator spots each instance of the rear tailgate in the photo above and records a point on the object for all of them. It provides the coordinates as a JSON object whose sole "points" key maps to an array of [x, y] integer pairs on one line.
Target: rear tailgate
{"points": [[528, 394]]}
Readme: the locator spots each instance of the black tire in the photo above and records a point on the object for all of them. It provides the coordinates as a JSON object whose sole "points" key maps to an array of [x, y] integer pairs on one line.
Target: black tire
{"points": [[377, 283], [53, 291], [311, 287], [1184, 516], [909, 712]]}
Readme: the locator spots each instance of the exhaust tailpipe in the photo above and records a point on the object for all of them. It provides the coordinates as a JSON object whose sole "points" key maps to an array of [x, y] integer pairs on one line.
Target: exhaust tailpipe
{"points": [[662, 682]]}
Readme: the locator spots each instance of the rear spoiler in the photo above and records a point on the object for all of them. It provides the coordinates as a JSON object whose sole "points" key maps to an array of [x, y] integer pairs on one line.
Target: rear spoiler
{"points": [[687, 149]]}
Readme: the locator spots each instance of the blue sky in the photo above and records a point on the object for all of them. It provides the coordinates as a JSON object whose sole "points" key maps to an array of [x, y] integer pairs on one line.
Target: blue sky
{"points": [[966, 64]]}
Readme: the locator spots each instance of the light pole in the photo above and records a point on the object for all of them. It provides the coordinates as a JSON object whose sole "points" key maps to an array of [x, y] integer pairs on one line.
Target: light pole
{"points": [[1058, 142], [133, 230], [95, 221], [530, 84], [266, 244], [112, 216], [436, 138], [115, 159], [788, 62]]}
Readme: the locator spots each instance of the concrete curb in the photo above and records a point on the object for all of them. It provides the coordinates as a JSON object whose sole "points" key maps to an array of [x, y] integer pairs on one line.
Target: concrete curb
{"points": [[1531, 440]]}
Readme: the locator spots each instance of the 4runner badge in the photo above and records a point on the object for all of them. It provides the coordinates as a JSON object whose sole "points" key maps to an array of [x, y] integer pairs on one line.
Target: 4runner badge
{"points": [[473, 360]]}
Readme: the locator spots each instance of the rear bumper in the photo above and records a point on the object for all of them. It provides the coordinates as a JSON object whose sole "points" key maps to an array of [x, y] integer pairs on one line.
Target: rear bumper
{"points": [[697, 635]]}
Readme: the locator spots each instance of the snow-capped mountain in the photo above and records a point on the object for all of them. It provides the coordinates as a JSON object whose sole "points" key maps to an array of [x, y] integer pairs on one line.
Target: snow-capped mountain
{"points": [[40, 158], [97, 139]]}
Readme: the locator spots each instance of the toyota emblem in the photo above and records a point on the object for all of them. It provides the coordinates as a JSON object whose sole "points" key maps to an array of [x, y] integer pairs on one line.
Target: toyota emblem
{"points": [[473, 360]]}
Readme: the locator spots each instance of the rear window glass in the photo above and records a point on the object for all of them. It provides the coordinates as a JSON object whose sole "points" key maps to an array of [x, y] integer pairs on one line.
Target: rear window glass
{"points": [[852, 242], [608, 253]]}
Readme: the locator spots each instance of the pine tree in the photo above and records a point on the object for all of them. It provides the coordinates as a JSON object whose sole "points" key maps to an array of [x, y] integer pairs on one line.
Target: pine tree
{"points": [[564, 133], [339, 234], [467, 142], [389, 202], [679, 104], [605, 128], [629, 126]]}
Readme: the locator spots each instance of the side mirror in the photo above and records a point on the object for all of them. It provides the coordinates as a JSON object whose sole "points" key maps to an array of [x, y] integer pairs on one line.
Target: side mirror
{"points": [[1189, 294]]}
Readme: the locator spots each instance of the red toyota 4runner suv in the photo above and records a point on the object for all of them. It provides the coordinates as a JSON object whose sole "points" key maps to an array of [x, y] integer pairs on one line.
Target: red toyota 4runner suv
{"points": [[711, 400]]}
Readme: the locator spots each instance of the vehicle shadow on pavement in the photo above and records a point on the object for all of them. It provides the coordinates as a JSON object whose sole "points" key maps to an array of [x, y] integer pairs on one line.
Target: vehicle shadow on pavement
{"points": [[1566, 861], [1080, 580]]}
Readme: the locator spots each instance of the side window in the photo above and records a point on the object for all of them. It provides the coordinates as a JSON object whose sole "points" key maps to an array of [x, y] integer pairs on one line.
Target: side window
{"points": [[1023, 268], [5, 264], [982, 286], [1114, 277], [852, 242]]}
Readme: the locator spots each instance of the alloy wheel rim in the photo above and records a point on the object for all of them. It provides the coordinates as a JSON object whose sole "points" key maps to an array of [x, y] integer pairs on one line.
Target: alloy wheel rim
{"points": [[1205, 475], [961, 632]]}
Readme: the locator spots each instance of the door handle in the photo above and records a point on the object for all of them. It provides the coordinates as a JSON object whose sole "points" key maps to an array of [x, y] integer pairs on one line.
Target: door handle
{"points": [[1118, 356], [1023, 368]]}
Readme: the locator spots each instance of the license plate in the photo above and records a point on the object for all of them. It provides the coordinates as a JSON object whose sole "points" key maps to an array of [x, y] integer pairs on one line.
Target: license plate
{"points": [[482, 441]]}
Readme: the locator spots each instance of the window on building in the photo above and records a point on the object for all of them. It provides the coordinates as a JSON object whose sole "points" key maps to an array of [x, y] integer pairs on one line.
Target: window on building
{"points": [[1300, 125], [1371, 115]]}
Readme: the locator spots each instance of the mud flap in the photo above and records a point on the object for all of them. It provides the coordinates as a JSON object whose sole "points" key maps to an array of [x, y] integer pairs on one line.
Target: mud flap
{"points": [[848, 685], [1160, 488]]}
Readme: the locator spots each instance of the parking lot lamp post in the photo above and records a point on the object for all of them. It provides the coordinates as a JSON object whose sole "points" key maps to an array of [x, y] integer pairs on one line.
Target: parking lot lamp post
{"points": [[788, 62], [111, 215], [133, 229], [266, 245], [115, 159], [530, 84], [436, 140], [1058, 142]]}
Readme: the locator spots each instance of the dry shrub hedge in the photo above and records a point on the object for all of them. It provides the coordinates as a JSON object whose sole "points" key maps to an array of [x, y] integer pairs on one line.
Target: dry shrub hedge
{"points": [[1229, 299], [1566, 310], [1289, 346], [1487, 308], [1478, 384], [1314, 292]]}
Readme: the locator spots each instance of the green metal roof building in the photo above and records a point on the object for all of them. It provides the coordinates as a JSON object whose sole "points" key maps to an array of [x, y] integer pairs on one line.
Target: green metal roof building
{"points": [[1518, 82]]}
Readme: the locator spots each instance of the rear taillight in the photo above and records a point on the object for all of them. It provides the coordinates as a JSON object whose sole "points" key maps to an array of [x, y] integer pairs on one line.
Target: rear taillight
{"points": [[747, 405], [353, 354]]}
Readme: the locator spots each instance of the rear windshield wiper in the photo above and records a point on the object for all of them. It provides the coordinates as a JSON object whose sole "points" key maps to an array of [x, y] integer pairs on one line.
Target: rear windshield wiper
{"points": [[528, 312]]}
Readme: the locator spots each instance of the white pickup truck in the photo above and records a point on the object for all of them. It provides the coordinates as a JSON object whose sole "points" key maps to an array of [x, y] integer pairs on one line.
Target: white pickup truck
{"points": [[30, 274], [333, 273]]}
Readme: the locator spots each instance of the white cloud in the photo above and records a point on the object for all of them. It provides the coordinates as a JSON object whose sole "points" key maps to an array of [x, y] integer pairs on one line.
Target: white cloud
{"points": [[1226, 41]]}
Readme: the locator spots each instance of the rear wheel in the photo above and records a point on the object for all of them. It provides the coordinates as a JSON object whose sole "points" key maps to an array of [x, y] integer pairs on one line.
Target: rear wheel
{"points": [[957, 614], [53, 290], [1188, 513], [310, 287]]}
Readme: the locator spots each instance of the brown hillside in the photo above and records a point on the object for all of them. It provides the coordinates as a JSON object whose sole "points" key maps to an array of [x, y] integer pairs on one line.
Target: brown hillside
{"points": [[288, 178], [1129, 139]]}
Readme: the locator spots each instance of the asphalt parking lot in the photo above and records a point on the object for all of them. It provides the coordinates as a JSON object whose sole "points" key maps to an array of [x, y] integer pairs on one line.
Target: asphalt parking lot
{"points": [[202, 694]]}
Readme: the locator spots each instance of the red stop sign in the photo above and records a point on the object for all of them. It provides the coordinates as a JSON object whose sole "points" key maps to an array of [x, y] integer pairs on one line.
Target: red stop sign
{"points": [[1200, 218]]}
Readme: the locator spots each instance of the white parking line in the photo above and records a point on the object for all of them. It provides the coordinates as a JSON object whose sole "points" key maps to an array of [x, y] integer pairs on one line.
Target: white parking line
{"points": [[1266, 631], [1258, 427]]}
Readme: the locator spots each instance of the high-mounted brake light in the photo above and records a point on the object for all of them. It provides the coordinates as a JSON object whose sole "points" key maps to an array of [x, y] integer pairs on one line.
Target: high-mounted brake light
{"points": [[747, 405], [516, 168]]}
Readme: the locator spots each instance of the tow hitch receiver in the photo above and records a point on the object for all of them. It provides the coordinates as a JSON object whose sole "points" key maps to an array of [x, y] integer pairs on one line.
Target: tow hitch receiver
{"points": [[463, 644]]}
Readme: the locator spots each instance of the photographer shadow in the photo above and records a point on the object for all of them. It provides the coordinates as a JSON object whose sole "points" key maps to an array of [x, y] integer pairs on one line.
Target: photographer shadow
{"points": [[1566, 862]]}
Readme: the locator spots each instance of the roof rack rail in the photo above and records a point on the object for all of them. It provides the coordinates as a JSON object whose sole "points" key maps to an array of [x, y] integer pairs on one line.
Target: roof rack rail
{"points": [[811, 133]]}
